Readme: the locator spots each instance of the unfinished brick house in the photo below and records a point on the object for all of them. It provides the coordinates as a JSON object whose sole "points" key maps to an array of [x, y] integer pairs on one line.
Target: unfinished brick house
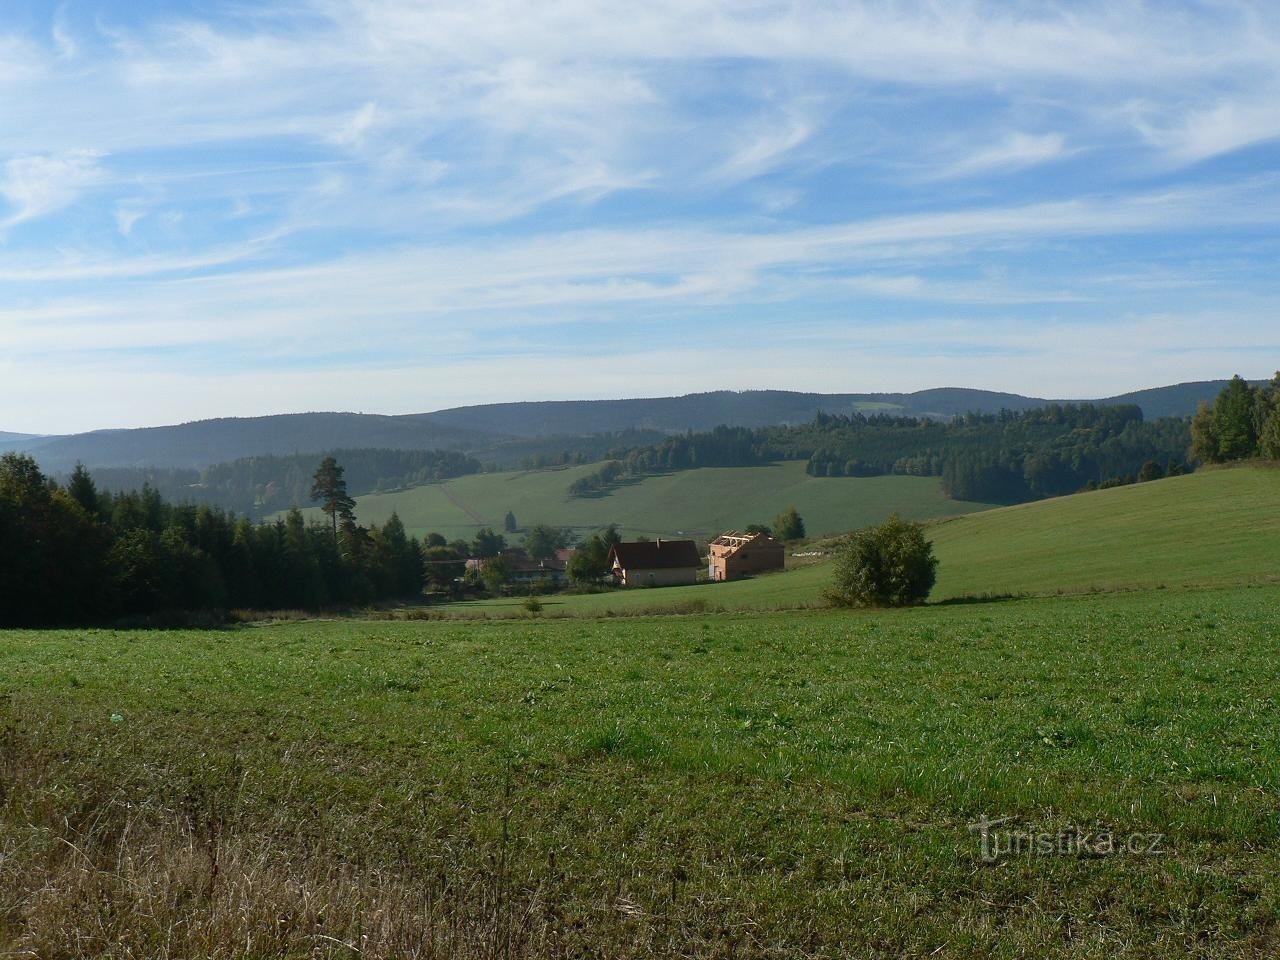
{"points": [[735, 555], [655, 563]]}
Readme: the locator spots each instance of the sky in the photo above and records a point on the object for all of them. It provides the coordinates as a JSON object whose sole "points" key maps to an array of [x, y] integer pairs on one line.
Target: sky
{"points": [[230, 209]]}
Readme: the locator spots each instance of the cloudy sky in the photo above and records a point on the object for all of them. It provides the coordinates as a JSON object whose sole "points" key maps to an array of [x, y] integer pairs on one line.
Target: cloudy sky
{"points": [[238, 208]]}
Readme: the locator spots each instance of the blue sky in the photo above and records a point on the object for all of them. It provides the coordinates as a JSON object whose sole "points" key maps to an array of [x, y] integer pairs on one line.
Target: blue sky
{"points": [[213, 209]]}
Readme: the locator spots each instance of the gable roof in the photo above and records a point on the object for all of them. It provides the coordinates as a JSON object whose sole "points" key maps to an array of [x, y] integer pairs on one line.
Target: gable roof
{"points": [[656, 555]]}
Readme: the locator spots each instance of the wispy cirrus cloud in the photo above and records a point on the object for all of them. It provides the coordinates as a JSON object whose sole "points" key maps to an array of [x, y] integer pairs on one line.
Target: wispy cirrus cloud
{"points": [[35, 185], [1014, 151]]}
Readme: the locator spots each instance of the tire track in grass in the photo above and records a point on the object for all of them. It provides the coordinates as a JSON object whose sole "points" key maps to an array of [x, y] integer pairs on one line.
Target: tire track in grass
{"points": [[453, 498]]}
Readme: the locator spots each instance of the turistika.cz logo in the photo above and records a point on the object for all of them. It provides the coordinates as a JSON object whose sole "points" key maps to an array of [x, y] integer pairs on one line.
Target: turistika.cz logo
{"points": [[999, 840]]}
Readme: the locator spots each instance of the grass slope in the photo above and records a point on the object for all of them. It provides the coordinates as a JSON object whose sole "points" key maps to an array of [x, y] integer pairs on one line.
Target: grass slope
{"points": [[1214, 528], [1217, 526], [752, 785], [701, 503]]}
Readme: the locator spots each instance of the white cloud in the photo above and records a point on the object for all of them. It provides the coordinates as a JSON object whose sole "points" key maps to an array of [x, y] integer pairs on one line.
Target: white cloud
{"points": [[765, 148], [410, 297], [127, 215], [1226, 126], [63, 39], [1015, 151], [35, 185], [353, 131]]}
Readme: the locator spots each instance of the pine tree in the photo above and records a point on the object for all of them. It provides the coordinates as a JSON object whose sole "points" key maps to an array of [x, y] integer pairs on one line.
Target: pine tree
{"points": [[329, 487]]}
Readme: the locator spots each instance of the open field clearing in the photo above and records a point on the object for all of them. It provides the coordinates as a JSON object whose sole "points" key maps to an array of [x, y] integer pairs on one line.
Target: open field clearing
{"points": [[1213, 528], [792, 784], [699, 503], [1216, 526]]}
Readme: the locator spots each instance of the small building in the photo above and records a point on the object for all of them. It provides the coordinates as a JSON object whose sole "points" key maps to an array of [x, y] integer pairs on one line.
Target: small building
{"points": [[733, 555], [655, 563]]}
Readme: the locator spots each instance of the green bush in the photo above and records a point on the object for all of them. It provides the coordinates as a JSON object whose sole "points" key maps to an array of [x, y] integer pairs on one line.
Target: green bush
{"points": [[891, 565]]}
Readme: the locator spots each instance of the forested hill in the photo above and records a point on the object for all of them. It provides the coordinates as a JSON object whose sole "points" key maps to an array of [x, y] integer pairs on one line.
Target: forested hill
{"points": [[483, 430], [1004, 457], [205, 442], [704, 411], [764, 408]]}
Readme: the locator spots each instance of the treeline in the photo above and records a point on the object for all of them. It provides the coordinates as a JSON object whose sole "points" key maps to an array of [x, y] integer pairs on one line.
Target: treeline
{"points": [[1004, 457], [263, 485], [75, 554], [1243, 422]]}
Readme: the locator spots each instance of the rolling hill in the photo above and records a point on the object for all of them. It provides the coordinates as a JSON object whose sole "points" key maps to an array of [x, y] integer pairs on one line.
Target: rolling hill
{"points": [[698, 503], [758, 408], [205, 442], [1214, 527], [1217, 527], [482, 429]]}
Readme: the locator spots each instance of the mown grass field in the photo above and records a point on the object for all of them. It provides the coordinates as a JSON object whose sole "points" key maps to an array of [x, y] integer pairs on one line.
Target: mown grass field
{"points": [[698, 503], [1216, 526], [754, 784]]}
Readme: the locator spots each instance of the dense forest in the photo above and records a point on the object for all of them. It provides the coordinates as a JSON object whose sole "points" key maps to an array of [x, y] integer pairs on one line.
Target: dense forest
{"points": [[1242, 422], [1003, 457], [74, 554]]}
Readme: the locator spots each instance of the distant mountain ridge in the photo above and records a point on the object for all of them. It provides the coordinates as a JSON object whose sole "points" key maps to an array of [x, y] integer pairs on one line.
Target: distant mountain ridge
{"points": [[760, 408], [205, 442]]}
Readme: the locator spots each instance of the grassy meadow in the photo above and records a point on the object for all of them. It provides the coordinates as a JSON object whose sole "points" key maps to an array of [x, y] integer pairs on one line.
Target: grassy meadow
{"points": [[756, 777], [1215, 526], [753, 784], [698, 503]]}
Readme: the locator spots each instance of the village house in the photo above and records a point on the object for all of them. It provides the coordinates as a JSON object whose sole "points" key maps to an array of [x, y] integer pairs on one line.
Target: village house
{"points": [[655, 563], [733, 555]]}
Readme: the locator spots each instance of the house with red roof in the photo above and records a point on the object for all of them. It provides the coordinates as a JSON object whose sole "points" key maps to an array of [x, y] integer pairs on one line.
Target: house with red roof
{"points": [[655, 563]]}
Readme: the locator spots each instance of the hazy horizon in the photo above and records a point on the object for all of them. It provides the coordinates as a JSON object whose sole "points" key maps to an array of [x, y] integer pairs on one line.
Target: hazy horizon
{"points": [[160, 422]]}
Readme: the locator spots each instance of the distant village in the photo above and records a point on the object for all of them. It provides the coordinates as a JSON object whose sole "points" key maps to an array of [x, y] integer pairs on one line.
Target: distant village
{"points": [[659, 562]]}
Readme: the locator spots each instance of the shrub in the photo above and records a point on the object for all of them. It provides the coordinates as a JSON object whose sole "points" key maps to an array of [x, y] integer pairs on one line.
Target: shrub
{"points": [[533, 604], [891, 565]]}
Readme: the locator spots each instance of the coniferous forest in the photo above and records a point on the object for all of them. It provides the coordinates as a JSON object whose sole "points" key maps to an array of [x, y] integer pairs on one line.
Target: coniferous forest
{"points": [[1004, 457], [73, 554]]}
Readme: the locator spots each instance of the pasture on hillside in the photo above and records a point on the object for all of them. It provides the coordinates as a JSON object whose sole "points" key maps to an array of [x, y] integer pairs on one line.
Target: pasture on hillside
{"points": [[698, 503], [1217, 527], [752, 785]]}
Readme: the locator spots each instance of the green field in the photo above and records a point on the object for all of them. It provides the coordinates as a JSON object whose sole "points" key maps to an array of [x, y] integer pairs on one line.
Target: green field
{"points": [[698, 503], [751, 785], [754, 778], [1212, 528]]}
